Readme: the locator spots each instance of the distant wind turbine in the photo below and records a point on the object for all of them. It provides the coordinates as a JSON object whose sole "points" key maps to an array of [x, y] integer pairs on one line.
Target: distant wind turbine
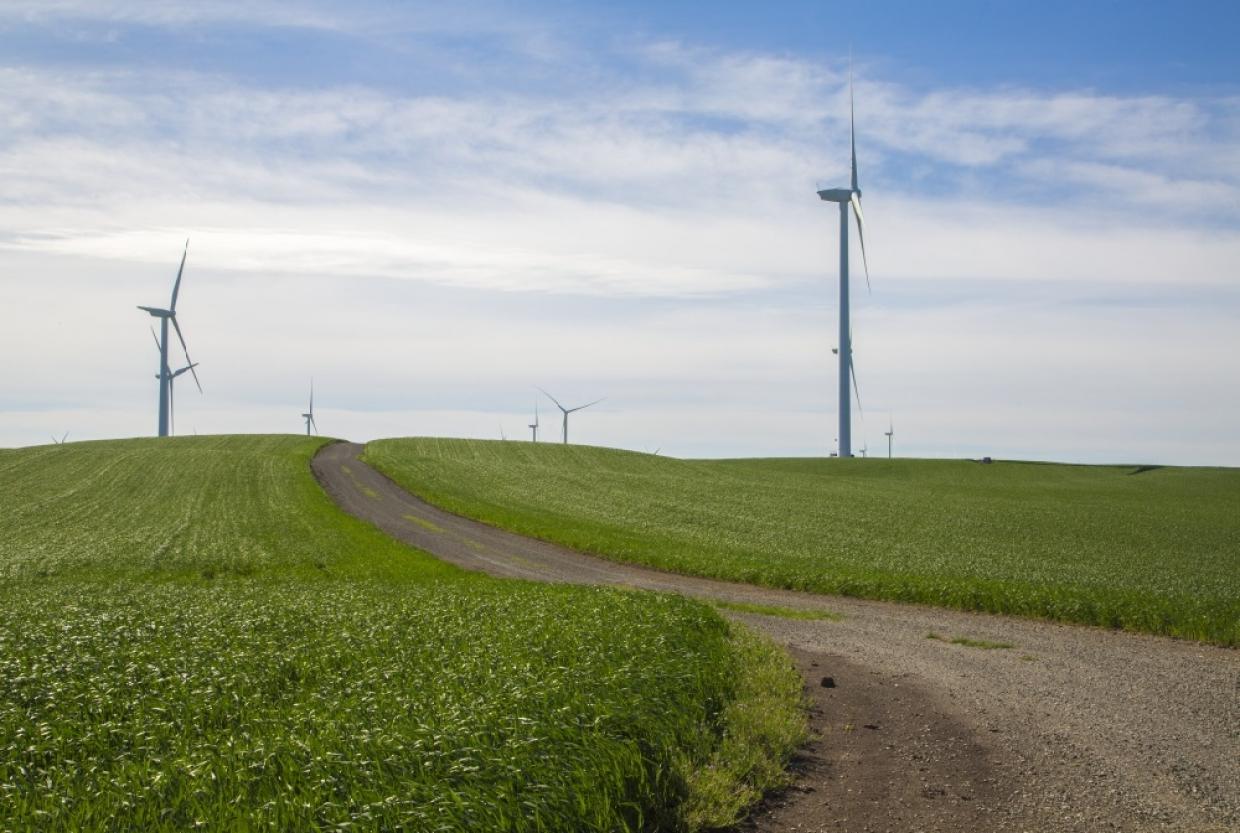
{"points": [[61, 441], [172, 410], [533, 426], [847, 197], [567, 411], [172, 377], [890, 432], [309, 417], [165, 375]]}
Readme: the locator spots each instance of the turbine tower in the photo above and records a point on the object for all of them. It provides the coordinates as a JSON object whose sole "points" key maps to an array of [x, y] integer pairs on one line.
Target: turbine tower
{"points": [[890, 432], [567, 411], [165, 375], [533, 426], [847, 197], [309, 417]]}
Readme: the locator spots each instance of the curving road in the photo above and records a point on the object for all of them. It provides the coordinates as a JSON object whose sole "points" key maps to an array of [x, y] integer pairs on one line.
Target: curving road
{"points": [[1070, 729]]}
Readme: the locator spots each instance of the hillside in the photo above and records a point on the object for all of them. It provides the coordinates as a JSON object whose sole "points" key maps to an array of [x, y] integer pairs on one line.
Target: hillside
{"points": [[1155, 550], [192, 634]]}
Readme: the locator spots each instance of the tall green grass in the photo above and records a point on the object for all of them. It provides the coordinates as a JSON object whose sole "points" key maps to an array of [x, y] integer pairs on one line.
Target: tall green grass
{"points": [[193, 636], [1151, 550]]}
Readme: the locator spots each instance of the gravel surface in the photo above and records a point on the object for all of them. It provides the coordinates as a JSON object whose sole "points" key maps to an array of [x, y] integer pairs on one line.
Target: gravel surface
{"points": [[1069, 729]]}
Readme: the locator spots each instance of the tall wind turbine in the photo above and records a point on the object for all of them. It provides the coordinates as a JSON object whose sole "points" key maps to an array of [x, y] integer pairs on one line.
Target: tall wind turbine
{"points": [[847, 197], [568, 411], [533, 426], [890, 432], [172, 377], [165, 375], [309, 417]]}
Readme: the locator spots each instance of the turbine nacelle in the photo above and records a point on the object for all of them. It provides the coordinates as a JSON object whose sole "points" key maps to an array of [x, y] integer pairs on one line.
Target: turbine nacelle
{"points": [[838, 194]]}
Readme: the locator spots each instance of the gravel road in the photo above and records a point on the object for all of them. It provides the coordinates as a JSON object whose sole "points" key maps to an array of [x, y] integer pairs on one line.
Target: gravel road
{"points": [[1069, 729]]}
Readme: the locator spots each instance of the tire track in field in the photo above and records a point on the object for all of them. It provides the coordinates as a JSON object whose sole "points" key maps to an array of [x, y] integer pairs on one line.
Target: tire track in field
{"points": [[1071, 729]]}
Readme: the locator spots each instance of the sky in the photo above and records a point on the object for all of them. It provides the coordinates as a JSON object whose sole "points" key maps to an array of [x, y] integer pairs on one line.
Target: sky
{"points": [[431, 210]]}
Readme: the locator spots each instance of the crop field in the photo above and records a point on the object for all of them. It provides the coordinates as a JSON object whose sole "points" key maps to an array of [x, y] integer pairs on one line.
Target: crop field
{"points": [[193, 636], [1148, 549]]}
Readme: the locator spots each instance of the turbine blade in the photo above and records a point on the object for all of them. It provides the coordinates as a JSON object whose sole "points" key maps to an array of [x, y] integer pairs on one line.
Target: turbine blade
{"points": [[552, 398], [852, 371], [856, 205], [156, 338], [192, 364], [588, 404], [852, 123], [311, 396], [176, 287]]}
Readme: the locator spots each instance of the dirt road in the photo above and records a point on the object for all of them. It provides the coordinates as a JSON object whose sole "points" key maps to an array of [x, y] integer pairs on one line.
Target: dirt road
{"points": [[1069, 729]]}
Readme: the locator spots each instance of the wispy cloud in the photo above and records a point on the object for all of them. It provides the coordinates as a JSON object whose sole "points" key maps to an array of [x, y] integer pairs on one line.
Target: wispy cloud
{"points": [[638, 193], [642, 220], [176, 13]]}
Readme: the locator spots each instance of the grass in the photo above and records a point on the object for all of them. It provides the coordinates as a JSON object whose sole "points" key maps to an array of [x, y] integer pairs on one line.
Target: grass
{"points": [[779, 610], [984, 644], [1158, 552], [192, 635]]}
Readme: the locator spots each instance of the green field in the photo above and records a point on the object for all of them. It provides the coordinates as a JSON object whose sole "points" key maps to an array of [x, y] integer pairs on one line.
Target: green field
{"points": [[192, 635], [1153, 550]]}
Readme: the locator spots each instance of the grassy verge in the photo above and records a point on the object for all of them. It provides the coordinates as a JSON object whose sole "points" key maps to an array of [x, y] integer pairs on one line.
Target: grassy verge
{"points": [[1159, 552], [984, 644], [192, 635], [762, 726]]}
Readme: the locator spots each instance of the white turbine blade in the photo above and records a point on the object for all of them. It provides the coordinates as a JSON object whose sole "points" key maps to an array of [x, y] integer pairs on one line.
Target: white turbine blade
{"points": [[588, 404], [852, 372], [856, 205], [852, 124], [192, 364], [176, 287], [312, 396], [314, 424], [552, 398], [155, 338]]}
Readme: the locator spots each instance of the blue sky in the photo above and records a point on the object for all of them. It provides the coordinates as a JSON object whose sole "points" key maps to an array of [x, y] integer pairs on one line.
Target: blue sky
{"points": [[432, 211]]}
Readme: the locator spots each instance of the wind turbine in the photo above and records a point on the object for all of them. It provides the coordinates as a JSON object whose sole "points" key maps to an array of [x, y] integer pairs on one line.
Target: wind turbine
{"points": [[568, 411], [165, 376], [172, 377], [533, 426], [61, 441], [890, 432], [309, 417], [847, 197], [172, 411]]}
